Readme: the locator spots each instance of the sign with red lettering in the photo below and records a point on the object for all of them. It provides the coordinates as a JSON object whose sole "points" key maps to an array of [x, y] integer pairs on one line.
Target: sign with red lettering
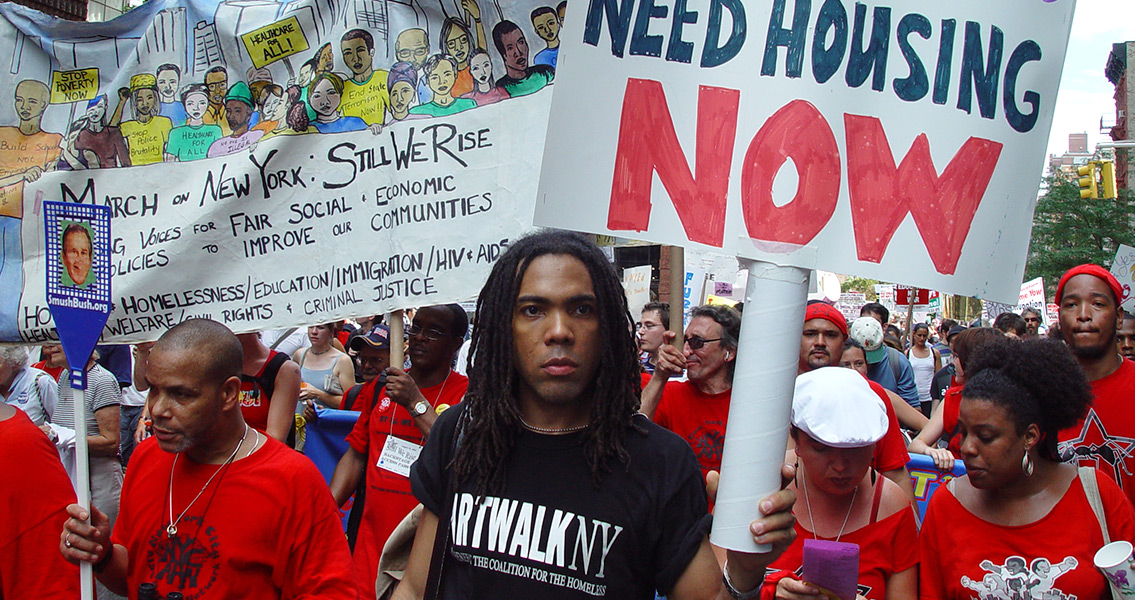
{"points": [[897, 141], [902, 295]]}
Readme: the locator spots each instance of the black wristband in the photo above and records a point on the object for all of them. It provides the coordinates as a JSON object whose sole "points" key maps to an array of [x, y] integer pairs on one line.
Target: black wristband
{"points": [[100, 566]]}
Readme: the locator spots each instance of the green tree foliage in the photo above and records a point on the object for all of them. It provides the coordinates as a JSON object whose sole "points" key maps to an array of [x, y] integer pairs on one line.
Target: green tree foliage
{"points": [[1068, 231], [860, 284]]}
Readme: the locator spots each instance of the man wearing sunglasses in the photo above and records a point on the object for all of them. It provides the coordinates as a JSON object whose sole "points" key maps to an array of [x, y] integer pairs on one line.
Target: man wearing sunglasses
{"points": [[697, 409], [1032, 323], [387, 438]]}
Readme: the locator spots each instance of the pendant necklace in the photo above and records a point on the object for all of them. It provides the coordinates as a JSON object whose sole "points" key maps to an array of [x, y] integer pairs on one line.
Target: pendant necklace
{"points": [[171, 529], [808, 504]]}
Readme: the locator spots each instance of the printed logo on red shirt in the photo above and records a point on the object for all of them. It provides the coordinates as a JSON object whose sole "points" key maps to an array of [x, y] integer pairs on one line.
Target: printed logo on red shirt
{"points": [[249, 398], [1016, 580], [188, 562], [1095, 448]]}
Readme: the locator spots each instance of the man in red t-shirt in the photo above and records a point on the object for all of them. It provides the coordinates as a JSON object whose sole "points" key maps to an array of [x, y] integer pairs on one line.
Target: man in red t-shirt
{"points": [[212, 508], [821, 345], [389, 435], [1088, 296], [698, 408]]}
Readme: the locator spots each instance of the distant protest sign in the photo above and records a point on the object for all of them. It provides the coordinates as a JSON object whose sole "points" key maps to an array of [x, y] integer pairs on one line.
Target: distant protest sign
{"points": [[636, 287], [1123, 267], [896, 141], [272, 164]]}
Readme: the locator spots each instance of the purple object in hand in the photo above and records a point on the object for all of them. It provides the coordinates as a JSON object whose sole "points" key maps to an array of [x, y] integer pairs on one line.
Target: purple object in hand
{"points": [[833, 566]]}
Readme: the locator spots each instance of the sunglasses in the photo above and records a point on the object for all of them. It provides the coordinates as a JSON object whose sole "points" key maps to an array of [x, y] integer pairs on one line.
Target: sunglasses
{"points": [[697, 342]]}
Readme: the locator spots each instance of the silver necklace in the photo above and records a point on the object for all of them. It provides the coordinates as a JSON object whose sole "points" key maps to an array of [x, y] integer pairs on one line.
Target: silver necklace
{"points": [[171, 529], [808, 504], [552, 431]]}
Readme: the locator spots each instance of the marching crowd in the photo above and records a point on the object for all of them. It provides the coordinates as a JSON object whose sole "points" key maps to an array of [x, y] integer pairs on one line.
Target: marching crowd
{"points": [[558, 447]]}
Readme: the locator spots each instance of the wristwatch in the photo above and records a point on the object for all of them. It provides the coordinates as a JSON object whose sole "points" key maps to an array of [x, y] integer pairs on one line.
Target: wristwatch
{"points": [[420, 408]]}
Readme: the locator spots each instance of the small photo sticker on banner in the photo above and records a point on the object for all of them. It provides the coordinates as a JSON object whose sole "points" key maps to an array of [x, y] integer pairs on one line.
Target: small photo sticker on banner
{"points": [[78, 255]]}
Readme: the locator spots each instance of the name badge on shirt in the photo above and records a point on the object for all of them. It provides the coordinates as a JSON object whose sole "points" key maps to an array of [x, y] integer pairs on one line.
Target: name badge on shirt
{"points": [[397, 455]]}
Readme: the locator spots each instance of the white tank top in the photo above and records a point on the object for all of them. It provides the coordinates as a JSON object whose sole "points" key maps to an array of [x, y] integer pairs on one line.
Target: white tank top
{"points": [[923, 373]]}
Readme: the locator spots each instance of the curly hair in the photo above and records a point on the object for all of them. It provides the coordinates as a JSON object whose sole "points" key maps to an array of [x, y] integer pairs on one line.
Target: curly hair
{"points": [[1035, 382], [492, 400]]}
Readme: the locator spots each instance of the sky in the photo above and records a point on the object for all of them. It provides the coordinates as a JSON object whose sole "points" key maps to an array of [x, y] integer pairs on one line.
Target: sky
{"points": [[1085, 93]]}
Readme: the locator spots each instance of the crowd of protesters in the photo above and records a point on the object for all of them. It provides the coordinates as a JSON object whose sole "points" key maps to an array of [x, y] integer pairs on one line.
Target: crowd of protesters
{"points": [[544, 465]]}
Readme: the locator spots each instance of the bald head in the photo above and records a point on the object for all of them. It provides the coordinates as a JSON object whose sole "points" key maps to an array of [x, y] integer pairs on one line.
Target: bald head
{"points": [[216, 346], [30, 99]]}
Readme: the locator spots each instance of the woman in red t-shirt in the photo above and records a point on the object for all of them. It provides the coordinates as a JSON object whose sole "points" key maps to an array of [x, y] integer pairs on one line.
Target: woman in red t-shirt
{"points": [[836, 420], [944, 421], [1018, 525]]}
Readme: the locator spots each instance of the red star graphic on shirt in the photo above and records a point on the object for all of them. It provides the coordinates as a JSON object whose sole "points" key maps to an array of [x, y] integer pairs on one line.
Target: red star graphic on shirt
{"points": [[1094, 447]]}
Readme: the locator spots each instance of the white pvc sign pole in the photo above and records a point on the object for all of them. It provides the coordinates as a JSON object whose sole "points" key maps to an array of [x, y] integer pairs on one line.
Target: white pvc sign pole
{"points": [[763, 382], [83, 480]]}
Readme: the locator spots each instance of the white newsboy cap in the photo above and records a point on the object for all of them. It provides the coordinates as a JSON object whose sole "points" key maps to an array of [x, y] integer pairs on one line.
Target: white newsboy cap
{"points": [[838, 408]]}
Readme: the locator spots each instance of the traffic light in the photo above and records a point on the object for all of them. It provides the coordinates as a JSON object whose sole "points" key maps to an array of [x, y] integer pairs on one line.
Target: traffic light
{"points": [[1107, 179], [1088, 188]]}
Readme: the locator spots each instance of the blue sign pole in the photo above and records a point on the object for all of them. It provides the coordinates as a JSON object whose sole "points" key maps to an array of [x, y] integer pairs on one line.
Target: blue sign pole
{"points": [[78, 294]]}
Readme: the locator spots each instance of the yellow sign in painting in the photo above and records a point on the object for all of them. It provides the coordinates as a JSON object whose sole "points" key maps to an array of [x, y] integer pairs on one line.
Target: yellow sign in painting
{"points": [[273, 42], [74, 86]]}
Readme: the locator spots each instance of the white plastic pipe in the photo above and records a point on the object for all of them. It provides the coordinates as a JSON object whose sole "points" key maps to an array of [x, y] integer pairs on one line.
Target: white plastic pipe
{"points": [[763, 380], [83, 480]]}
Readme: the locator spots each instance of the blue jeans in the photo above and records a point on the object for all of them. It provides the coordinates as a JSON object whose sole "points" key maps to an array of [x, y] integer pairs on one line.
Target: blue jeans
{"points": [[128, 420]]}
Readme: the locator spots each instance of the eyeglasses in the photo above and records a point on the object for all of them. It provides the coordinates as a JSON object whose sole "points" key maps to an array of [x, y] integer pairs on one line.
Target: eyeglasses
{"points": [[697, 342], [1032, 320], [646, 326], [431, 335]]}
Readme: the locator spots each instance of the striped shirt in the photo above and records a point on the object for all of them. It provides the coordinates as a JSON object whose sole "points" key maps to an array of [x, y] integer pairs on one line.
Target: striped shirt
{"points": [[102, 391]]}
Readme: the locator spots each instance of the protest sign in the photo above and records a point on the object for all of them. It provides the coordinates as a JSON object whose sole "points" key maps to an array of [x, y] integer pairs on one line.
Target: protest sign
{"points": [[636, 286], [886, 141], [1032, 296], [930, 110], [1123, 267], [78, 285], [926, 478], [271, 164]]}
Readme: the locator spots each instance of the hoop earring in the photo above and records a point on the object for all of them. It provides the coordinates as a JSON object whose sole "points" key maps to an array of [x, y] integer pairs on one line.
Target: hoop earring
{"points": [[1027, 464]]}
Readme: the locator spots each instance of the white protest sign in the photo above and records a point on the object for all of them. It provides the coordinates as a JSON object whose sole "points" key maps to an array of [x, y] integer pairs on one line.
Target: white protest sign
{"points": [[1123, 267], [290, 234], [887, 141], [1032, 296], [905, 129], [636, 286]]}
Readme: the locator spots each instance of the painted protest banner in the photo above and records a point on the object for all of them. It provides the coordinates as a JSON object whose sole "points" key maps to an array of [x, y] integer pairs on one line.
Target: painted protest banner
{"points": [[927, 110], [1123, 267], [307, 238], [275, 163], [636, 286]]}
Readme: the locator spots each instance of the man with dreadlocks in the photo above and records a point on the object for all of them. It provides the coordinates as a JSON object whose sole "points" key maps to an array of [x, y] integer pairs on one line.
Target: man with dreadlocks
{"points": [[548, 482]]}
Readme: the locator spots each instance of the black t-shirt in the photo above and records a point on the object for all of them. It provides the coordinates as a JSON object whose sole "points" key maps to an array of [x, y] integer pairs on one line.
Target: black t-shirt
{"points": [[552, 534]]}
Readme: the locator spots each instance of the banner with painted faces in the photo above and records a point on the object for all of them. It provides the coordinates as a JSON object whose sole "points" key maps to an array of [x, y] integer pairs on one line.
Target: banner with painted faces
{"points": [[901, 141], [273, 163]]}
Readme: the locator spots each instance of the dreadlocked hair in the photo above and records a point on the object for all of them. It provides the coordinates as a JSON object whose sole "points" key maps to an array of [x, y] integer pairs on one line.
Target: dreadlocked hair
{"points": [[492, 408]]}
